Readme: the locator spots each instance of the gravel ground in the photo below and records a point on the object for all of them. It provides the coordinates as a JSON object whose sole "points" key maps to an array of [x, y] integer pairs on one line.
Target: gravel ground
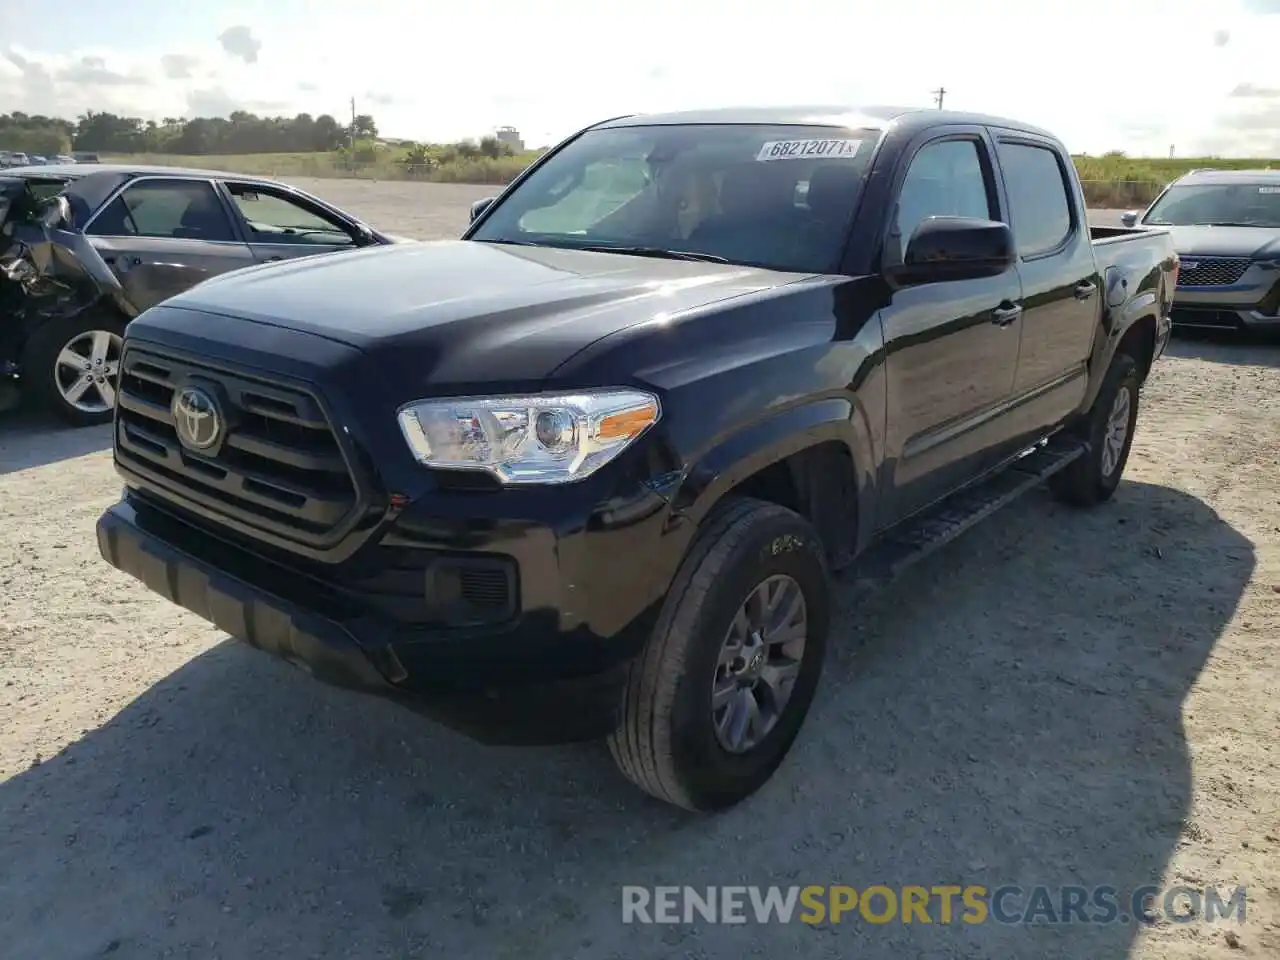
{"points": [[1057, 698]]}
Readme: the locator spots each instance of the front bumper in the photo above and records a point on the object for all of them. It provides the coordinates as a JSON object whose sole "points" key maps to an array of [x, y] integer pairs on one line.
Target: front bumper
{"points": [[1207, 317], [526, 681], [1250, 303]]}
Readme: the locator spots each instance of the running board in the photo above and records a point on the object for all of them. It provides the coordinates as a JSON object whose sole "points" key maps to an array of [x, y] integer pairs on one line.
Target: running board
{"points": [[919, 536]]}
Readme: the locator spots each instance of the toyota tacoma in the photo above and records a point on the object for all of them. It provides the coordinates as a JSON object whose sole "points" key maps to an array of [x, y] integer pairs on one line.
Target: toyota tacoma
{"points": [[589, 470]]}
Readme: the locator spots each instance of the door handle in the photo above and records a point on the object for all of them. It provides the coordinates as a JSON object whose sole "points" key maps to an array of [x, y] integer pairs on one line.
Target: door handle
{"points": [[1085, 289], [1006, 313]]}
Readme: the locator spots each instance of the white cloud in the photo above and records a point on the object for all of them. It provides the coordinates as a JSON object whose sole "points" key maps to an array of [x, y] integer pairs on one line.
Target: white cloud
{"points": [[178, 66], [239, 41], [1137, 76]]}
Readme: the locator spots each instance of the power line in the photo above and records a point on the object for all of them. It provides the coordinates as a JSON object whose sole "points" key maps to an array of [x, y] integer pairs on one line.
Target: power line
{"points": [[938, 95]]}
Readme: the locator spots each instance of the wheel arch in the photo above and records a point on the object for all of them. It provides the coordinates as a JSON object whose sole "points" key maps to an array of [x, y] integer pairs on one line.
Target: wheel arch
{"points": [[1132, 329], [813, 458]]}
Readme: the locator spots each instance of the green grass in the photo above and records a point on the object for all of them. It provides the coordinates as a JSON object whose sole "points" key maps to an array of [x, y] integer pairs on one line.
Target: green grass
{"points": [[1110, 181], [384, 165], [1116, 181]]}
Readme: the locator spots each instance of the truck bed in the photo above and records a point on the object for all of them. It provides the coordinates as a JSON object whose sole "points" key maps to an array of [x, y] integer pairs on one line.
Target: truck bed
{"points": [[1113, 234]]}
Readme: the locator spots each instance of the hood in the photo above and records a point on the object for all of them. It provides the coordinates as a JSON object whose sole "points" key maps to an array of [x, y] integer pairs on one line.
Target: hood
{"points": [[1205, 241], [455, 314]]}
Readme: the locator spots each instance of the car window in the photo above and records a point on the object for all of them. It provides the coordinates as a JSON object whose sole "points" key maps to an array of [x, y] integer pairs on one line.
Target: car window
{"points": [[945, 179], [1246, 204], [274, 218], [174, 209], [770, 195], [1038, 201], [44, 189], [604, 187]]}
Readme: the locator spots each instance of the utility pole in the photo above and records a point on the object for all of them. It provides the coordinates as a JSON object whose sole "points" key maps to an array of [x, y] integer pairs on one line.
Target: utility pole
{"points": [[938, 95], [353, 123]]}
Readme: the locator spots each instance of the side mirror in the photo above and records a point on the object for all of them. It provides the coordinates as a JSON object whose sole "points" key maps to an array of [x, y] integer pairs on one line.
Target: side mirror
{"points": [[480, 206], [364, 236], [1129, 218], [956, 248]]}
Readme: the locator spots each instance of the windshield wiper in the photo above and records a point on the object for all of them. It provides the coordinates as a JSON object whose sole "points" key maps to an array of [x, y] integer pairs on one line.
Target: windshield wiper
{"points": [[662, 252], [1229, 223], [634, 251]]}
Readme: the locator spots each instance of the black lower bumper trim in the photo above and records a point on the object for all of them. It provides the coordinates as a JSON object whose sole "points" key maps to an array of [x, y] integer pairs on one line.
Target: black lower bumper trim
{"points": [[323, 648], [549, 711]]}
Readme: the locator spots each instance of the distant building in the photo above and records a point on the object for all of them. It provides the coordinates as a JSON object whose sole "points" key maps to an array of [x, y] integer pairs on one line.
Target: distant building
{"points": [[511, 137]]}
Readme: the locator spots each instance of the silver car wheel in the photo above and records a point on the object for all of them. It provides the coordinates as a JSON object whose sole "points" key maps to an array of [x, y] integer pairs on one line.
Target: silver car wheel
{"points": [[1117, 432], [86, 369], [759, 662]]}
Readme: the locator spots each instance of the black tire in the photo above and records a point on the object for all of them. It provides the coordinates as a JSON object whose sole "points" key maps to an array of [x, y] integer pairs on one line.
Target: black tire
{"points": [[1087, 481], [42, 377], [666, 741]]}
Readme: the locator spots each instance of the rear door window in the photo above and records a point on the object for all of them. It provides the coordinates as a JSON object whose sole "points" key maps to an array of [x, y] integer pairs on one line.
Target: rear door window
{"points": [[1039, 201], [169, 209]]}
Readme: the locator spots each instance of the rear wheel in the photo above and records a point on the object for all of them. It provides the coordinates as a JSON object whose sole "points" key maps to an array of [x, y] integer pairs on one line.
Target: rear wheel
{"points": [[72, 367], [1108, 429], [722, 688]]}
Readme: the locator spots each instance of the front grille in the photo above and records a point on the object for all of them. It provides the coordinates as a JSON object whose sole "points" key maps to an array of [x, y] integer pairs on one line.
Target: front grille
{"points": [[278, 469], [1212, 271]]}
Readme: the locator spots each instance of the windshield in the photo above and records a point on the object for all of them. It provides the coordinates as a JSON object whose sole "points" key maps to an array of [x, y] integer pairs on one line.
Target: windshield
{"points": [[1221, 204], [771, 196], [45, 189]]}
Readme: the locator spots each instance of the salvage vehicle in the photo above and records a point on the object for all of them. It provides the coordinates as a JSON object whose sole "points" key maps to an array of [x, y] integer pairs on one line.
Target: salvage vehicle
{"points": [[588, 471], [1226, 228], [108, 242]]}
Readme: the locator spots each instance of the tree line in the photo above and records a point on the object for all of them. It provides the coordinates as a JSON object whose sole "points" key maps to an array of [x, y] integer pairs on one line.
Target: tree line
{"points": [[240, 133]]}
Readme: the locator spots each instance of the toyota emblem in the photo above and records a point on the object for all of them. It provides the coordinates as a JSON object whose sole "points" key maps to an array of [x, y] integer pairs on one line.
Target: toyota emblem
{"points": [[196, 418]]}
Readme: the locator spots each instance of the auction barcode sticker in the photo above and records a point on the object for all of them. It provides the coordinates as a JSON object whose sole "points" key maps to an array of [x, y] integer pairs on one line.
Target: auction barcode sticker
{"points": [[804, 149], [1269, 189]]}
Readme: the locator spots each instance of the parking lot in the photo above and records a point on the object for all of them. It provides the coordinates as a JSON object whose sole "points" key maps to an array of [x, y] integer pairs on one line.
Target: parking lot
{"points": [[1057, 698]]}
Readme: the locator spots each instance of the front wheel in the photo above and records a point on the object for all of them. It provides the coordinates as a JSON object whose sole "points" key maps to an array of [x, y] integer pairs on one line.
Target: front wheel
{"points": [[722, 688], [72, 366], [1108, 429]]}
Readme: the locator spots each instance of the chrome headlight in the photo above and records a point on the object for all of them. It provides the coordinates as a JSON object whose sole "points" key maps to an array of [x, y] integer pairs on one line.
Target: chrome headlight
{"points": [[547, 438]]}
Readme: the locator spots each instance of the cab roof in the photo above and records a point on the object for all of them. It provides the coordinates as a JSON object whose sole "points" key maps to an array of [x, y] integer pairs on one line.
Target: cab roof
{"points": [[847, 117]]}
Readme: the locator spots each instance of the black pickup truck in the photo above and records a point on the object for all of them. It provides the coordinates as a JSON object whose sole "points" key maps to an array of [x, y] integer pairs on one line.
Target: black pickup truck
{"points": [[587, 471]]}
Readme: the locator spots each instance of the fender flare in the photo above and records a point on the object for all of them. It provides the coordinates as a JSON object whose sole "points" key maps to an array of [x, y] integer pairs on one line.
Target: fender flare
{"points": [[1123, 313], [768, 441]]}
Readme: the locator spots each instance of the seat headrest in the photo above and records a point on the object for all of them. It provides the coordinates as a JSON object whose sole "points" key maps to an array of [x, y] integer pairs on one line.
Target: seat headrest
{"points": [[754, 186], [200, 213], [832, 188]]}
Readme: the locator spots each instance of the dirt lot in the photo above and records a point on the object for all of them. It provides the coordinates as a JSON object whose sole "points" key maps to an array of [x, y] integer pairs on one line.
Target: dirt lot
{"points": [[1057, 698]]}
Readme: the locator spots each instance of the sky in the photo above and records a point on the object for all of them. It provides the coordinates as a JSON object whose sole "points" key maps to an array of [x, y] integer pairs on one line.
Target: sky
{"points": [[1140, 76]]}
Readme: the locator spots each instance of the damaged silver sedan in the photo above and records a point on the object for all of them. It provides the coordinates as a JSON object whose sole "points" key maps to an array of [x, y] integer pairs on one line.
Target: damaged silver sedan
{"points": [[85, 249]]}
